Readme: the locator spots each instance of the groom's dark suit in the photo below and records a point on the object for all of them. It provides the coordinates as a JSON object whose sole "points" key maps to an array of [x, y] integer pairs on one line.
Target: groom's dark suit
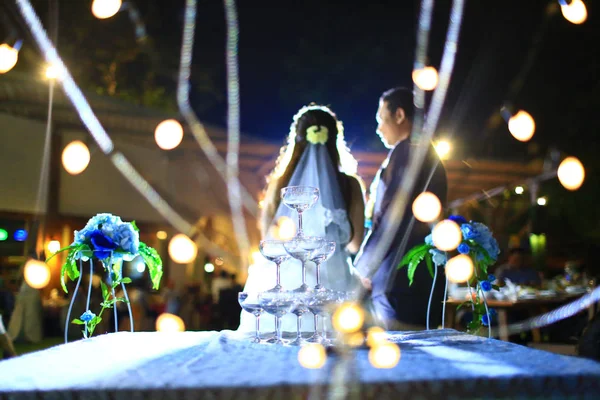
{"points": [[391, 295]]}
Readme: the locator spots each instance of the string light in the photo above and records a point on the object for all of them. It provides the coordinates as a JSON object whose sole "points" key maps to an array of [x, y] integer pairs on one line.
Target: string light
{"points": [[521, 126], [571, 173], [169, 323], [427, 207], [161, 235], [37, 274], [446, 235], [52, 72], [182, 249], [443, 149], [542, 201], [312, 356], [75, 157], [575, 12], [384, 355], [459, 268], [8, 57], [53, 246], [519, 190], [103, 9], [425, 78], [168, 134], [348, 318]]}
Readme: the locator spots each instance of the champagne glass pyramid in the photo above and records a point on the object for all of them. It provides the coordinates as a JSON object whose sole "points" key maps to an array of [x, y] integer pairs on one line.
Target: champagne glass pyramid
{"points": [[274, 251], [302, 248], [299, 198]]}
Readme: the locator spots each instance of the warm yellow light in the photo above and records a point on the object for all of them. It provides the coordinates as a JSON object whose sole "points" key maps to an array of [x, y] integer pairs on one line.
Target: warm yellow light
{"points": [[571, 173], [376, 336], [446, 235], [52, 72], [443, 149], [256, 257], [168, 134], [384, 355], [425, 78], [219, 261], [169, 323], [519, 190], [161, 235], [542, 201], [8, 57], [37, 274], [286, 228], [427, 207], [53, 246], [355, 339], [459, 268], [209, 267], [75, 157], [103, 9], [182, 249], [575, 12], [348, 318], [521, 126], [312, 356]]}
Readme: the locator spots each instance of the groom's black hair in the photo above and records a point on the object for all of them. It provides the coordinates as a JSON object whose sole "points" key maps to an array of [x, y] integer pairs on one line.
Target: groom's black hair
{"points": [[400, 97]]}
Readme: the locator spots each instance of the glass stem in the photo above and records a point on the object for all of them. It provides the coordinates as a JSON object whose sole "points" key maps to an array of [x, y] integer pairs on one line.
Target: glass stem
{"points": [[324, 322], [257, 327], [318, 265], [278, 328], [303, 273], [316, 324], [298, 326], [300, 231], [278, 274]]}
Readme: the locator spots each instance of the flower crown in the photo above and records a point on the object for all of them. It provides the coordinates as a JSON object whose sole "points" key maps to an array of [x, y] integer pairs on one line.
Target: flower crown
{"points": [[317, 134]]}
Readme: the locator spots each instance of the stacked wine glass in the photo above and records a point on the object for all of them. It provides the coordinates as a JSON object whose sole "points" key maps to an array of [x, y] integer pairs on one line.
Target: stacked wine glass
{"points": [[279, 301]]}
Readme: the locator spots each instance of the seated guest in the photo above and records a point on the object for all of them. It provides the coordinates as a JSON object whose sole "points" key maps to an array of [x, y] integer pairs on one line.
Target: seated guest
{"points": [[516, 271]]}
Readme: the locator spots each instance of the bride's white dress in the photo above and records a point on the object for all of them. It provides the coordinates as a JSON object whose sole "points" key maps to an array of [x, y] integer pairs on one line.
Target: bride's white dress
{"points": [[328, 218]]}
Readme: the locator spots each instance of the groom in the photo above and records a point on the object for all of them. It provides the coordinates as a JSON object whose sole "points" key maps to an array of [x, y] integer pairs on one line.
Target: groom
{"points": [[397, 305]]}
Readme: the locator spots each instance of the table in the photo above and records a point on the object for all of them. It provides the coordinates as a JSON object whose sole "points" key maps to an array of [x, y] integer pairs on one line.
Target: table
{"points": [[151, 365], [534, 307]]}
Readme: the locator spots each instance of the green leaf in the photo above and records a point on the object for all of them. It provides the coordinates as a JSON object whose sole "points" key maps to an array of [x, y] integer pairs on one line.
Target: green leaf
{"points": [[104, 290], [126, 280], [96, 320], [122, 299], [463, 304], [135, 228], [428, 258], [153, 262], [495, 287], [413, 252], [59, 251], [412, 267], [77, 321]]}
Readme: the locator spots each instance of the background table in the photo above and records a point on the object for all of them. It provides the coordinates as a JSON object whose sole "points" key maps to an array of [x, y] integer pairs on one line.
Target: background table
{"points": [[150, 365]]}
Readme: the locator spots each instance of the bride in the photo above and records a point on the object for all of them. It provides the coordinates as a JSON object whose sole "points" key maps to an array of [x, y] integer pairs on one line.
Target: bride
{"points": [[316, 155]]}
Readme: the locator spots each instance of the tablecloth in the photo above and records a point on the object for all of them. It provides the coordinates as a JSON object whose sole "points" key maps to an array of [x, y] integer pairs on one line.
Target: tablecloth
{"points": [[440, 364]]}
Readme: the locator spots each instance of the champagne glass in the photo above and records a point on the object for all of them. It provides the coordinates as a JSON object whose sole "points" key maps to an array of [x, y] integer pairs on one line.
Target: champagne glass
{"points": [[301, 248], [277, 304], [319, 256], [300, 307], [299, 198], [250, 304], [316, 305], [274, 251]]}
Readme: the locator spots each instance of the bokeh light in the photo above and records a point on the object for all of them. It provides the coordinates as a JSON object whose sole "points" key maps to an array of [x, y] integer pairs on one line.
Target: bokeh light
{"points": [[384, 355], [182, 249], [3, 235], [8, 57], [312, 356], [168, 134], [425, 78], [286, 228], [519, 190], [542, 201], [571, 173], [574, 12], [169, 323], [427, 207], [443, 148], [375, 336], [459, 269], [161, 235], [209, 268], [37, 274], [75, 157], [53, 246], [446, 235], [103, 9], [20, 235], [52, 72], [348, 318], [521, 126]]}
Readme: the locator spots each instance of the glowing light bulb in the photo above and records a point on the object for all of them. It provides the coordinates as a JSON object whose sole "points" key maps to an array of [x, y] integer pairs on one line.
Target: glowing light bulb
{"points": [[53, 246], [75, 157], [37, 274], [384, 355], [286, 228], [312, 356], [348, 318], [446, 235], [541, 201], [519, 190], [425, 78], [161, 235], [20, 235], [427, 207], [209, 268], [571, 173], [459, 268], [103, 9], [575, 12], [182, 249], [521, 126], [53, 72], [168, 134], [443, 149], [3, 235], [8, 57], [376, 336], [169, 323]]}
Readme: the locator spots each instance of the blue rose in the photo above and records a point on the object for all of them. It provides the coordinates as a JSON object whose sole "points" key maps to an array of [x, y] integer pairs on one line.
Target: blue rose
{"points": [[469, 231], [486, 286], [87, 316], [464, 248], [127, 238], [429, 239], [491, 278], [439, 257], [485, 320], [458, 219], [102, 244]]}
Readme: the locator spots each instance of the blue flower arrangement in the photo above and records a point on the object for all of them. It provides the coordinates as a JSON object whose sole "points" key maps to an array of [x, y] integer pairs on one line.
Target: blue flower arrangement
{"points": [[478, 243], [107, 238]]}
